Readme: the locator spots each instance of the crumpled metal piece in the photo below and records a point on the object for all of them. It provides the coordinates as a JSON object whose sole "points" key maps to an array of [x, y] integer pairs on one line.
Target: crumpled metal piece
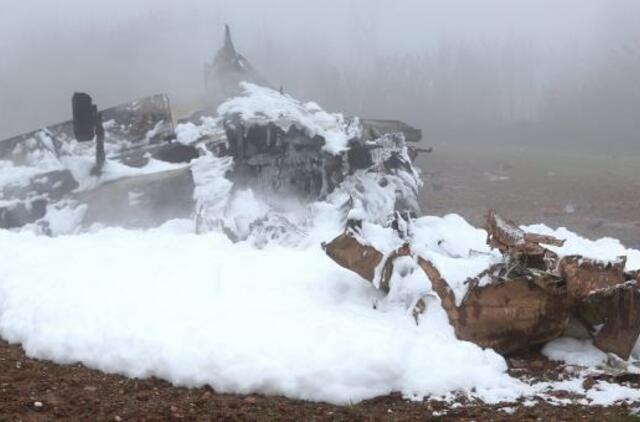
{"points": [[622, 328], [520, 246], [585, 276], [349, 253], [532, 294]]}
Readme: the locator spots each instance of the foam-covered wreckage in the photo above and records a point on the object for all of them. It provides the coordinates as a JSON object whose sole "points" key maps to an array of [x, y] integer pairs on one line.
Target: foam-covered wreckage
{"points": [[131, 166], [222, 77], [527, 298], [56, 166], [285, 150]]}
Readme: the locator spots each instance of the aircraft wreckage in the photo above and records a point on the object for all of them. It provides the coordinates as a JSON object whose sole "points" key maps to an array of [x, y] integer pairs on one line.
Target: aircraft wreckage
{"points": [[131, 166], [531, 296]]}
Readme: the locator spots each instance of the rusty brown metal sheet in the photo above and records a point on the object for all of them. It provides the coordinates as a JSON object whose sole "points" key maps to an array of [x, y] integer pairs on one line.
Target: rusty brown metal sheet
{"points": [[442, 289], [526, 307], [543, 239], [504, 316], [511, 316], [505, 236], [586, 276], [387, 269], [620, 333], [349, 253]]}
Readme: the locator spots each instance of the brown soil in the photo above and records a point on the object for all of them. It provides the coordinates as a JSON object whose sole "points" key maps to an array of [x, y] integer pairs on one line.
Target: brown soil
{"points": [[40, 391], [527, 186]]}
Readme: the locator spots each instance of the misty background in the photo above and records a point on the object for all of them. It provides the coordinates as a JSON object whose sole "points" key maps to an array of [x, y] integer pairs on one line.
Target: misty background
{"points": [[554, 72]]}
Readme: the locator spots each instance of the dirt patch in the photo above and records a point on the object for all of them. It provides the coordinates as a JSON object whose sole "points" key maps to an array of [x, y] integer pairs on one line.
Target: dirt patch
{"points": [[33, 390], [593, 194]]}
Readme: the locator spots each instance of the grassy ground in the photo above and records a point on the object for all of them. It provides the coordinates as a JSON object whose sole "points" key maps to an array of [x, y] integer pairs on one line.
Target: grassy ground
{"points": [[594, 193]]}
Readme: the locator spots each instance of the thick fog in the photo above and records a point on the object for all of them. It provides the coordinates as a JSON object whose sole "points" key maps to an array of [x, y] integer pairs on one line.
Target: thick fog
{"points": [[468, 70]]}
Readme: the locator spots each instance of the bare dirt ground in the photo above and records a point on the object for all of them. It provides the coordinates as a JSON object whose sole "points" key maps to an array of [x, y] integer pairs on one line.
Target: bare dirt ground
{"points": [[33, 390], [594, 194]]}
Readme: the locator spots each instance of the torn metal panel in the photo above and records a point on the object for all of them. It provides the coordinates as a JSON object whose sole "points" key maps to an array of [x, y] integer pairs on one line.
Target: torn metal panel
{"points": [[147, 121], [622, 327], [543, 239], [505, 316], [387, 269], [349, 253], [523, 304], [525, 249], [442, 289], [586, 276], [508, 238], [511, 316], [503, 234]]}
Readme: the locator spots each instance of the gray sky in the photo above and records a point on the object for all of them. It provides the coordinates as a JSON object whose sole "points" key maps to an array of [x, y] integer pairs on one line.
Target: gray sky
{"points": [[122, 49]]}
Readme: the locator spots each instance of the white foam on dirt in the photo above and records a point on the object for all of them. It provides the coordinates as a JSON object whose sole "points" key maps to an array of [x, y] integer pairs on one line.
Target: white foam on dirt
{"points": [[200, 310]]}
